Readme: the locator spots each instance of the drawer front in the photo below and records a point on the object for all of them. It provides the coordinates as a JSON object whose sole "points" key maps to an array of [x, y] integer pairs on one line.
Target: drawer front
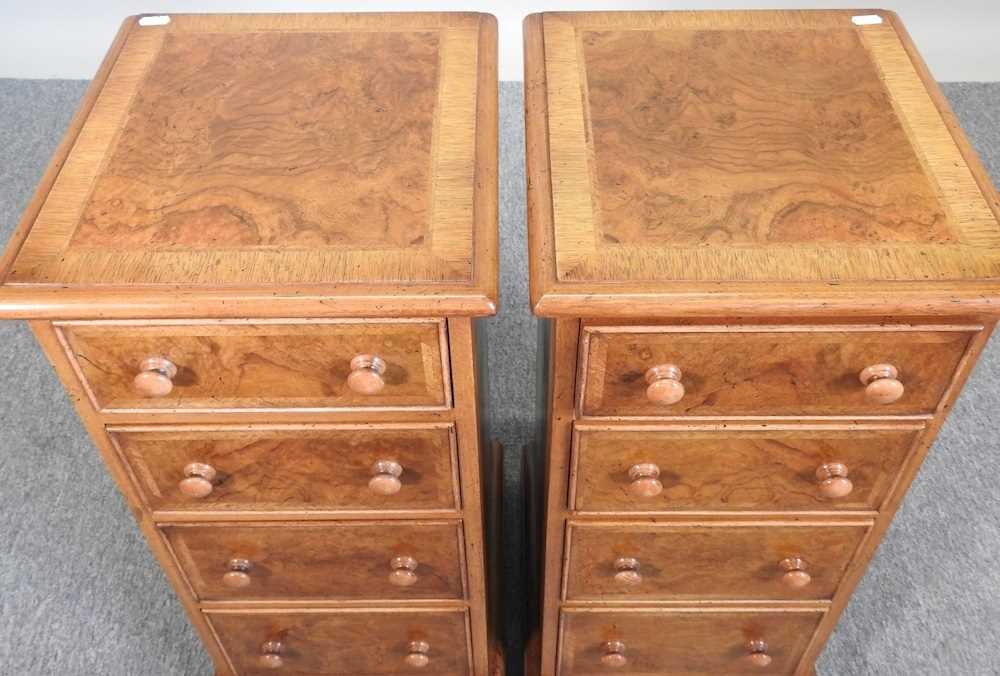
{"points": [[708, 561], [231, 365], [309, 467], [325, 561], [658, 372], [750, 467], [684, 641], [344, 642]]}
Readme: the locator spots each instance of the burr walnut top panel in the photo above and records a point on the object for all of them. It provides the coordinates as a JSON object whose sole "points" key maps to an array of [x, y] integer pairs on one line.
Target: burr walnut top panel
{"points": [[261, 150], [689, 150]]}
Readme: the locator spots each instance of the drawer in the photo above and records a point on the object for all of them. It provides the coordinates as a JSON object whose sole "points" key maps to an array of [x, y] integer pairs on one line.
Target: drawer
{"points": [[709, 561], [339, 560], [237, 365], [345, 642], [772, 371], [663, 468], [292, 468], [685, 641]]}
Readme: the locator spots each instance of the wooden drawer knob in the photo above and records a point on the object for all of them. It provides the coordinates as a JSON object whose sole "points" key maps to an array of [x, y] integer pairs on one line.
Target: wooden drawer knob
{"points": [[614, 654], [881, 383], [833, 481], [645, 478], [627, 571], [403, 571], [795, 576], [270, 655], [366, 374], [418, 654], [758, 656], [386, 477], [665, 385], [155, 378], [237, 574], [198, 480]]}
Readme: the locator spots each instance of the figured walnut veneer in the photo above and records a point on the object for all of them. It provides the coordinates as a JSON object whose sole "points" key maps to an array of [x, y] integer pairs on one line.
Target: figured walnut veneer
{"points": [[346, 642], [683, 561], [270, 150], [328, 561], [733, 467], [245, 366], [708, 150], [314, 468], [228, 146], [787, 158], [756, 371], [659, 641]]}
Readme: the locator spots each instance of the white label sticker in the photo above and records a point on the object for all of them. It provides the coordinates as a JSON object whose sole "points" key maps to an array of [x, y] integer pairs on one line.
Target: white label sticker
{"points": [[866, 20], [158, 20]]}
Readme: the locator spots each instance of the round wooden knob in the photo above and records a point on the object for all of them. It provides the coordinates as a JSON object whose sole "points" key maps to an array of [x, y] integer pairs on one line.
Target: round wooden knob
{"points": [[833, 481], [155, 377], [627, 571], [881, 383], [795, 576], [366, 374], [403, 571], [664, 384], [418, 654], [386, 477], [237, 574], [758, 656], [198, 480], [270, 655], [645, 478], [614, 654]]}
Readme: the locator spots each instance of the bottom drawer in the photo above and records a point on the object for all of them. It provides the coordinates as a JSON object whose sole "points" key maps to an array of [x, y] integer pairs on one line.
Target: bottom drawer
{"points": [[685, 641], [345, 642]]}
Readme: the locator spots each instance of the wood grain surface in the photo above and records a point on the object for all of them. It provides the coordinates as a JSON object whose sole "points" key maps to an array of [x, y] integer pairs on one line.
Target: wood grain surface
{"points": [[733, 467], [757, 372], [231, 164], [241, 365], [327, 561], [313, 468], [345, 643], [720, 162], [689, 561], [696, 141], [210, 157], [660, 641]]}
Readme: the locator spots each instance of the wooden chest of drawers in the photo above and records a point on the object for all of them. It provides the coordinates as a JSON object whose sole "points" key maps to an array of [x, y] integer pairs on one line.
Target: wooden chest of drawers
{"points": [[768, 259], [255, 263]]}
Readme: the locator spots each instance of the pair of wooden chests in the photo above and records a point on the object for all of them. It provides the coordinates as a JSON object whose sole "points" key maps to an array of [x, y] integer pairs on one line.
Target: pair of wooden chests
{"points": [[767, 258]]}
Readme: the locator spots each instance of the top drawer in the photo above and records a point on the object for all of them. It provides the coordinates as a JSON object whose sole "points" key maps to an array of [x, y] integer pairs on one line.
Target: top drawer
{"points": [[233, 365], [768, 370]]}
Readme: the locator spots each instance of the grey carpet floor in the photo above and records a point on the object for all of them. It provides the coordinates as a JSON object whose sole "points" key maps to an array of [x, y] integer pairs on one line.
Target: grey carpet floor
{"points": [[81, 594]]}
